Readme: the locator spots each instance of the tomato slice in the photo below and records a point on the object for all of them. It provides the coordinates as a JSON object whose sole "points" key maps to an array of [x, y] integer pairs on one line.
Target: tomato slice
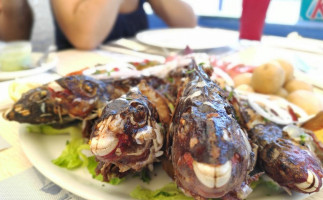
{"points": [[239, 69]]}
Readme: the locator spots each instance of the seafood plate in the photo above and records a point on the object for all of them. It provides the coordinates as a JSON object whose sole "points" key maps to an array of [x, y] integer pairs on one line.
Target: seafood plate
{"points": [[210, 141], [81, 183]]}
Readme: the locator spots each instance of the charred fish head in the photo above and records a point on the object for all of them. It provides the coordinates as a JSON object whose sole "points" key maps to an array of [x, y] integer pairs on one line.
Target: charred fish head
{"points": [[60, 101], [128, 133]]}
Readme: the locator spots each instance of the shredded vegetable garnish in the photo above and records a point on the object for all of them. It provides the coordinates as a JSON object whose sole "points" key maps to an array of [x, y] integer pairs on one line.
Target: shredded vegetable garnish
{"points": [[230, 95], [171, 107], [302, 139], [16, 89], [190, 71], [145, 176], [170, 79]]}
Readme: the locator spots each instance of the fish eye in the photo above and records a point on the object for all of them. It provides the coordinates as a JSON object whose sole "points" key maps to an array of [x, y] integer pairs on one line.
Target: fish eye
{"points": [[139, 114], [39, 96], [89, 88]]}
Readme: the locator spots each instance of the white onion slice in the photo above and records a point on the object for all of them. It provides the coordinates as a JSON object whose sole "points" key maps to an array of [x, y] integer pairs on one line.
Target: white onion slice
{"points": [[161, 70], [199, 58], [267, 106]]}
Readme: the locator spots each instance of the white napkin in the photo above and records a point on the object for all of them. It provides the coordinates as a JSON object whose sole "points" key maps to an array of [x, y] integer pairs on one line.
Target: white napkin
{"points": [[30, 184], [4, 144]]}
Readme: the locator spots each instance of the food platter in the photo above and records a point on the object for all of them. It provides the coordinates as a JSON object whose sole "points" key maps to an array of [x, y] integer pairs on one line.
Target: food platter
{"points": [[195, 38], [41, 149]]}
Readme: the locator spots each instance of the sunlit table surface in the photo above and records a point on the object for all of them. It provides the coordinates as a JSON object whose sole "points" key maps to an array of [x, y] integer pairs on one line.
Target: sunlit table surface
{"points": [[13, 159]]}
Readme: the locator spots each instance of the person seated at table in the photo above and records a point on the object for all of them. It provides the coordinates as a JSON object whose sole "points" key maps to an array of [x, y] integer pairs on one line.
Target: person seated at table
{"points": [[85, 24], [16, 20]]}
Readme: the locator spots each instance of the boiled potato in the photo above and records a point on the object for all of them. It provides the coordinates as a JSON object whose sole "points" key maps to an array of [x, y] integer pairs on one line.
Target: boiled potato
{"points": [[315, 123], [245, 88], [268, 78], [307, 100], [282, 93], [240, 79], [295, 84], [319, 135], [288, 68]]}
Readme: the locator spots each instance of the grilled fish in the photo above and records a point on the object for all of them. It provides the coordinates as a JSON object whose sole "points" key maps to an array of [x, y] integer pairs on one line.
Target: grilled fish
{"points": [[290, 164], [209, 151], [128, 134]]}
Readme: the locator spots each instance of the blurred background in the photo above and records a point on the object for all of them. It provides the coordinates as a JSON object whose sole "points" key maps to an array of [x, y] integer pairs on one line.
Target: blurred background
{"points": [[283, 18]]}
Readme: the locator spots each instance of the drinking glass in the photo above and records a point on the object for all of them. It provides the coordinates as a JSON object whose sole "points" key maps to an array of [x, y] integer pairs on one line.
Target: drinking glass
{"points": [[253, 19]]}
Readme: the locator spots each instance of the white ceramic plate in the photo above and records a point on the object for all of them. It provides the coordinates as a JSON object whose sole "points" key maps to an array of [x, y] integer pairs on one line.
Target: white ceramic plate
{"points": [[41, 149], [195, 38], [48, 64]]}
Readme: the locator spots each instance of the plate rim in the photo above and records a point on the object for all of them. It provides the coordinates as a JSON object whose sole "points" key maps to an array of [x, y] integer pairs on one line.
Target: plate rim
{"points": [[140, 37]]}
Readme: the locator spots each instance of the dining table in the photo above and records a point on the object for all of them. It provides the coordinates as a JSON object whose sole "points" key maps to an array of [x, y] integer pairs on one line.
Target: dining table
{"points": [[17, 171]]}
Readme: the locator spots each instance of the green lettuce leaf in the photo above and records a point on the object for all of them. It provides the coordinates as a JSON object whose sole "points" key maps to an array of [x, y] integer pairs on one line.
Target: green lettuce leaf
{"points": [[168, 192], [267, 182], [116, 181], [49, 130], [72, 156]]}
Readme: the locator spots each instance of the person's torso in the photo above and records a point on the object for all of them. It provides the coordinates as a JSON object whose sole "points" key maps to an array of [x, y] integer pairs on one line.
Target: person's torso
{"points": [[126, 25]]}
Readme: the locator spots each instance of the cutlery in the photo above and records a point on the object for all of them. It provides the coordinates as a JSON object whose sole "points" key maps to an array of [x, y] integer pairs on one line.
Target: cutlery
{"points": [[139, 47], [44, 57], [120, 50]]}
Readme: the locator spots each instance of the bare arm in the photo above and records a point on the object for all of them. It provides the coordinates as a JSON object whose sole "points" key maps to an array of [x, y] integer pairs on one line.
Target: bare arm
{"points": [[16, 20], [175, 13], [86, 23]]}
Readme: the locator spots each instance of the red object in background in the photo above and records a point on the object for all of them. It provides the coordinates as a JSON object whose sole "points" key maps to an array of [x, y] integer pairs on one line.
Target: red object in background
{"points": [[253, 19], [232, 69]]}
